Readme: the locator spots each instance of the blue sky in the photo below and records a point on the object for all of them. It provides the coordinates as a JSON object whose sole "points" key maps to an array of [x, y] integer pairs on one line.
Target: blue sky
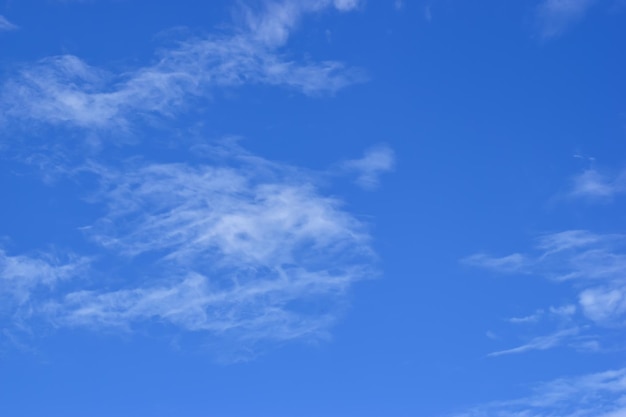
{"points": [[312, 208]]}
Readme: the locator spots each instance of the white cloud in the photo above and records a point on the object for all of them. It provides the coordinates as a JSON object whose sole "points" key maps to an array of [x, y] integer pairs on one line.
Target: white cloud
{"points": [[241, 248], [600, 394], [556, 16], [531, 318], [515, 262], [66, 90], [604, 304], [554, 243], [593, 265], [347, 5], [561, 312], [21, 275], [542, 342], [5, 25], [274, 25], [428, 15], [236, 247], [593, 185], [371, 166], [569, 255]]}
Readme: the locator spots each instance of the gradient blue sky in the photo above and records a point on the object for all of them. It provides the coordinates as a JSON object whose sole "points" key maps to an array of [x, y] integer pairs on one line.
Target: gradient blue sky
{"points": [[309, 208]]}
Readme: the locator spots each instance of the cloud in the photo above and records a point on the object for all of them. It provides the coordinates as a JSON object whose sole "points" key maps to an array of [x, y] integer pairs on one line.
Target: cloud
{"points": [[5, 25], [234, 247], [541, 343], [21, 276], [599, 394], [242, 249], [561, 312], [428, 15], [593, 185], [274, 25], [65, 90], [511, 263], [531, 318], [604, 304], [556, 16], [371, 166], [568, 255], [591, 264]]}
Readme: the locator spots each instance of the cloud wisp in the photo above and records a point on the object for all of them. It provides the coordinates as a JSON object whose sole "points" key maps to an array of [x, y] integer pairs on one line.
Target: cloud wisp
{"points": [[556, 16], [244, 250], [235, 247], [371, 166], [593, 185], [5, 25], [599, 394], [65, 90], [593, 264], [546, 342], [275, 23], [24, 279]]}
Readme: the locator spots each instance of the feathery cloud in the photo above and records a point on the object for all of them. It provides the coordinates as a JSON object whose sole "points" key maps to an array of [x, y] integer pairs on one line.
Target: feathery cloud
{"points": [[67, 91], [593, 395], [371, 166], [236, 247], [593, 264], [541, 342], [274, 24], [241, 249], [593, 185], [556, 16], [5, 25], [21, 276]]}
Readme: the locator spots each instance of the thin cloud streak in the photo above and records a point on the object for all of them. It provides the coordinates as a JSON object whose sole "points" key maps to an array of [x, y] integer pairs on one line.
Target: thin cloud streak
{"points": [[541, 343], [593, 264], [236, 247], [593, 395], [555, 16], [244, 249], [593, 185], [64, 90], [562, 312], [273, 26], [5, 25], [21, 276], [371, 166]]}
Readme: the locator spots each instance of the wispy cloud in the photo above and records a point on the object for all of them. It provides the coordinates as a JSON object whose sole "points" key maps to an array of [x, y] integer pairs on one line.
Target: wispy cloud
{"points": [[5, 25], [21, 275], [591, 184], [556, 16], [275, 23], [565, 311], [236, 247], [593, 264], [515, 262], [66, 90], [241, 248], [568, 255], [371, 166], [541, 342], [594, 395]]}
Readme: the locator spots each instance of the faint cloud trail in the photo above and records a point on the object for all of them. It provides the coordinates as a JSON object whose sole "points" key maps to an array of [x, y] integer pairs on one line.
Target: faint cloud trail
{"points": [[5, 25], [65, 90]]}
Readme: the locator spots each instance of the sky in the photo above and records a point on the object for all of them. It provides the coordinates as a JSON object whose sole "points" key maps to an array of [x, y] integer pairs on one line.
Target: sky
{"points": [[301, 208]]}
